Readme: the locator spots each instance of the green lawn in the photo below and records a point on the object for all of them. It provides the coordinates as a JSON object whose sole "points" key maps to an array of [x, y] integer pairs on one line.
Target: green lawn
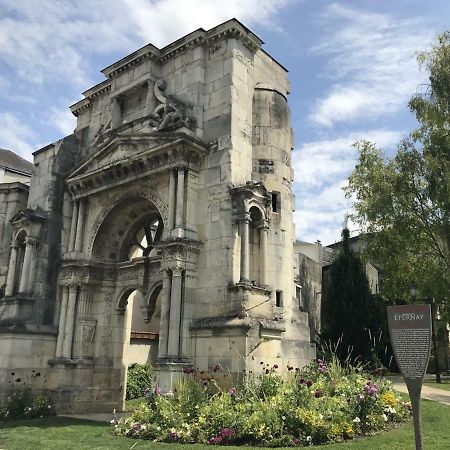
{"points": [[56, 433], [444, 385]]}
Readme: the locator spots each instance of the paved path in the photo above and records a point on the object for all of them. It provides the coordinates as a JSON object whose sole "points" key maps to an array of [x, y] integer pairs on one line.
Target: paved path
{"points": [[429, 393]]}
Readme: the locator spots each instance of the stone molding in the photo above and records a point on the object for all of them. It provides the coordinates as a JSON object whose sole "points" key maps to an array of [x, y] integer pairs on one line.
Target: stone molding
{"points": [[146, 154]]}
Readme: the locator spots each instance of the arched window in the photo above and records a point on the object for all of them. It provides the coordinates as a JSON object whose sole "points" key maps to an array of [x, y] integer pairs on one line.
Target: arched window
{"points": [[143, 239]]}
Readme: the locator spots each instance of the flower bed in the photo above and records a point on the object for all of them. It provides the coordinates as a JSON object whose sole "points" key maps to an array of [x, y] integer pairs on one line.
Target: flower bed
{"points": [[23, 404], [319, 404]]}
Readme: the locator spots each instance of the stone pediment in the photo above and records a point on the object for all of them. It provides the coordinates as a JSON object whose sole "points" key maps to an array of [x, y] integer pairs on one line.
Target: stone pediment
{"points": [[127, 157]]}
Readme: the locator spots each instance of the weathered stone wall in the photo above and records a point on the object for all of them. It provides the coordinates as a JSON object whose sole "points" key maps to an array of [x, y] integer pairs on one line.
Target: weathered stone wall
{"points": [[13, 198]]}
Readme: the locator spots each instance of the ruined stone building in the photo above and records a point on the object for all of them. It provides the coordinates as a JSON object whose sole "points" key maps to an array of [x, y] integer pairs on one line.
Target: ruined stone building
{"points": [[160, 230]]}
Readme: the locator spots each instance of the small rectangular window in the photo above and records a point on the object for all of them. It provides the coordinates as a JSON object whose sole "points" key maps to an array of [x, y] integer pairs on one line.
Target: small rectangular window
{"points": [[276, 202], [278, 299]]}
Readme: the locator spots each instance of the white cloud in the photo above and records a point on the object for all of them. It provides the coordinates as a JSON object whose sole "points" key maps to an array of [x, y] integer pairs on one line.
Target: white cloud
{"points": [[15, 135], [371, 63], [321, 171], [316, 163], [63, 120]]}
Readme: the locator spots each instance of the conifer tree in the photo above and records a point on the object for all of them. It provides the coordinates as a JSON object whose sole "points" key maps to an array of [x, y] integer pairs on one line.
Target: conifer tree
{"points": [[348, 310]]}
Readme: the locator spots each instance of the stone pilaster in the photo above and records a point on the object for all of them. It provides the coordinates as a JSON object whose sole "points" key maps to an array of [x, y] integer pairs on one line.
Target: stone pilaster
{"points": [[73, 226], [179, 212], [263, 231], [62, 320], [70, 322], [11, 271], [172, 187], [245, 250], [173, 346], [25, 275], [165, 315], [80, 220]]}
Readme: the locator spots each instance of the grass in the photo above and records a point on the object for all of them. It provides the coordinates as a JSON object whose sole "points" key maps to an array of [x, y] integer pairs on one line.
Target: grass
{"points": [[53, 433], [445, 385]]}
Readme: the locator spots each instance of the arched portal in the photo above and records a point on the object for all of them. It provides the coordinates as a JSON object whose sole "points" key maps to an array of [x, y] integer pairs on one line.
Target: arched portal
{"points": [[130, 230], [139, 318]]}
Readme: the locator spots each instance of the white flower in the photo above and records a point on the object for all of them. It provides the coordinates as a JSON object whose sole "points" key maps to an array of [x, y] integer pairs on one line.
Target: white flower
{"points": [[308, 438], [320, 416], [158, 428], [356, 420], [384, 417], [283, 418]]}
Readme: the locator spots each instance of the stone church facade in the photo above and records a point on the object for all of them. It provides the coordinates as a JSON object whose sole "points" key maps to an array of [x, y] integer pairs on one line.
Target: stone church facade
{"points": [[175, 187]]}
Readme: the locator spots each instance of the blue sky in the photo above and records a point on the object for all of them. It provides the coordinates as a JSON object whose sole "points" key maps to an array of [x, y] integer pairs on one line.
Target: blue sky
{"points": [[352, 70]]}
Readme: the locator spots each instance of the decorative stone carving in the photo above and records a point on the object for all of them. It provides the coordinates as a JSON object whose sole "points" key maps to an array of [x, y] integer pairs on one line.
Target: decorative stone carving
{"points": [[171, 113]]}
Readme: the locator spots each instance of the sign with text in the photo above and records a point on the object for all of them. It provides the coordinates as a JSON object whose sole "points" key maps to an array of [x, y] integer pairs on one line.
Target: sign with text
{"points": [[410, 332]]}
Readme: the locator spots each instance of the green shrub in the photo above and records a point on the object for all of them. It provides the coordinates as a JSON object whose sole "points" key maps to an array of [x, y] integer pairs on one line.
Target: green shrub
{"points": [[23, 404], [139, 378], [324, 402]]}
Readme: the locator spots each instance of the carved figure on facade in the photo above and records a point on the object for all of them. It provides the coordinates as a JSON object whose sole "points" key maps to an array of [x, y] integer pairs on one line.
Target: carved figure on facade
{"points": [[171, 114]]}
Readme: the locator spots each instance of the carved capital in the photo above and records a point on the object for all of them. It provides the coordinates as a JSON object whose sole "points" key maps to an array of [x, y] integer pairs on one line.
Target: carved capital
{"points": [[177, 271], [30, 241]]}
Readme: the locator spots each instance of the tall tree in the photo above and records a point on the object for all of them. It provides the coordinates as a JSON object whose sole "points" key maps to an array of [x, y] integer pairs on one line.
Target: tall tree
{"points": [[404, 201], [348, 305]]}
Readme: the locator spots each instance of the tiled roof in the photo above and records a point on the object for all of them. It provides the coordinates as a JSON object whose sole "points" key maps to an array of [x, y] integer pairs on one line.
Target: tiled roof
{"points": [[13, 161]]}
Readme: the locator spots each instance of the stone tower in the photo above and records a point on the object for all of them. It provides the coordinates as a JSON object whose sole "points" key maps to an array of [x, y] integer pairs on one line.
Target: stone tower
{"points": [[175, 193]]}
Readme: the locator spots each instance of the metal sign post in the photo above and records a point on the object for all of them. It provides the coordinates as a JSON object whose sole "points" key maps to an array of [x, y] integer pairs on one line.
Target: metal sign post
{"points": [[410, 332]]}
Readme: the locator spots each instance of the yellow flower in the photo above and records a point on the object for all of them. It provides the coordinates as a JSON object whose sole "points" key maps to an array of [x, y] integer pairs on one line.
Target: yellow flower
{"points": [[389, 399]]}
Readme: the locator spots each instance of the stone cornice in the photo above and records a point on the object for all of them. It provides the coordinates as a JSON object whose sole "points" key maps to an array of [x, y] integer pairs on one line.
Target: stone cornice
{"points": [[144, 153], [95, 91], [227, 30]]}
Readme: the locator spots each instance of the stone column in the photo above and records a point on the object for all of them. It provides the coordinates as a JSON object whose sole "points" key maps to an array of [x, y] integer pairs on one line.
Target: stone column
{"points": [[70, 322], [179, 222], [62, 321], [171, 215], [263, 254], [245, 251], [25, 275], [80, 220], [11, 271], [73, 226], [32, 266], [173, 345], [165, 312]]}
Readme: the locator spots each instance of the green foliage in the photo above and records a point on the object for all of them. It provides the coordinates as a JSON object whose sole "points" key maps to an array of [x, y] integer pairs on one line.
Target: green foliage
{"points": [[354, 321], [23, 404], [405, 201], [324, 402], [139, 378]]}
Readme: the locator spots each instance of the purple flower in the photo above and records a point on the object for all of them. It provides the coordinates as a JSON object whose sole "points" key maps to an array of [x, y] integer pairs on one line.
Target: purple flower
{"points": [[173, 436], [318, 394], [217, 368], [275, 366], [302, 380], [188, 370], [157, 390], [309, 383], [232, 391]]}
